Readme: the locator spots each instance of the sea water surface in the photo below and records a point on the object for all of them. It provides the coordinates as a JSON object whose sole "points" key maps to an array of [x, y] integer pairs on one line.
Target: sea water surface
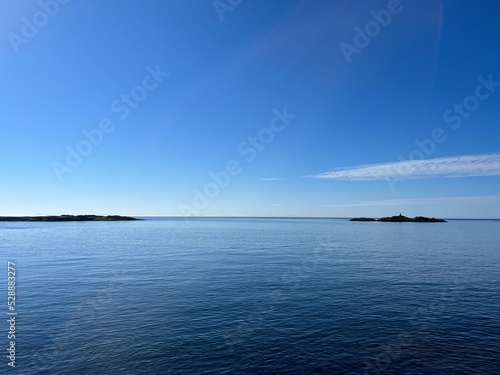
{"points": [[254, 296]]}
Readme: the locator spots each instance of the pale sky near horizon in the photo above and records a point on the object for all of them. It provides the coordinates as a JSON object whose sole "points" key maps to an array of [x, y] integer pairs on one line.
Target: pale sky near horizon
{"points": [[250, 108]]}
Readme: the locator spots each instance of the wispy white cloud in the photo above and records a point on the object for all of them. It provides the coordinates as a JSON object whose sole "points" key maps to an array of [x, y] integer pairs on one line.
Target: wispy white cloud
{"points": [[272, 179], [454, 166], [491, 199]]}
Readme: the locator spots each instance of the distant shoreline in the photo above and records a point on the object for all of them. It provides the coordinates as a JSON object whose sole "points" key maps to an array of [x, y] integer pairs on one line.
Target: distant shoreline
{"points": [[177, 217], [68, 218], [402, 219]]}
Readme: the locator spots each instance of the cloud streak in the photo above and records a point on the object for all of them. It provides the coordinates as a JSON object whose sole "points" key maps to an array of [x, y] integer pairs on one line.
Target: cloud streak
{"points": [[487, 199], [271, 179], [454, 166]]}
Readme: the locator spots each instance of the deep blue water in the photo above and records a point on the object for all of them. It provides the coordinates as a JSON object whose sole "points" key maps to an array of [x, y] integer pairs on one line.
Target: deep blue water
{"points": [[254, 296]]}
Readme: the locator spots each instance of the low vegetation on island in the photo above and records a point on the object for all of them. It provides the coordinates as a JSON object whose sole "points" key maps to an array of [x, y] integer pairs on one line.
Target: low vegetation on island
{"points": [[68, 218], [402, 219]]}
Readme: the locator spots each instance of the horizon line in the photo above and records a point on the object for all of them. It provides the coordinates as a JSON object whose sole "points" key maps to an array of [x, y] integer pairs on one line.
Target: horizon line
{"points": [[244, 217]]}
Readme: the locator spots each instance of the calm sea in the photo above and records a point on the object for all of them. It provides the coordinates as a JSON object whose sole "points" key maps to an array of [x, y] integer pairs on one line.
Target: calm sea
{"points": [[253, 296]]}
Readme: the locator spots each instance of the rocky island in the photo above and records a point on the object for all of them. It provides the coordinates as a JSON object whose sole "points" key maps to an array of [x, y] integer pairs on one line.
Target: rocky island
{"points": [[68, 218], [402, 219], [362, 219]]}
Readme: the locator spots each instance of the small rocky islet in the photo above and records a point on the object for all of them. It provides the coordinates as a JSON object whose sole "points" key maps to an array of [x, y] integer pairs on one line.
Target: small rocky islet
{"points": [[402, 219], [68, 218]]}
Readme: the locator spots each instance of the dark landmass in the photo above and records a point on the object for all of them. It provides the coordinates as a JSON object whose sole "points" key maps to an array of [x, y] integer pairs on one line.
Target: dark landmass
{"points": [[402, 219], [398, 219], [68, 218], [422, 219]]}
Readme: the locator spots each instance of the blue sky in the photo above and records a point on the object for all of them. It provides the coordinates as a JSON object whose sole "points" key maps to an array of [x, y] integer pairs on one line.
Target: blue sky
{"points": [[259, 108]]}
